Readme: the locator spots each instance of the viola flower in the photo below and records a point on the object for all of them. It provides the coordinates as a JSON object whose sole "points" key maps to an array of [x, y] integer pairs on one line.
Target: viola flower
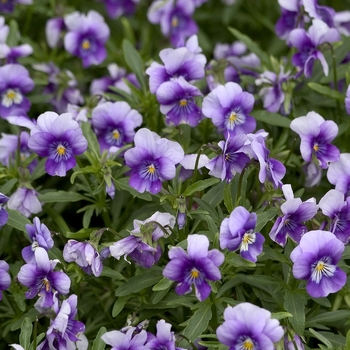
{"points": [[177, 102], [59, 138], [270, 169], [85, 255], [338, 174], [5, 279], [165, 339], [315, 260], [247, 326], [179, 62], [42, 280], [237, 231], [291, 17], [237, 48], [334, 206], [316, 135], [231, 161], [342, 22], [128, 341], [116, 78], [40, 236], [228, 107], [273, 95], [313, 174], [86, 37], [9, 147], [3, 213], [53, 30], [324, 13], [152, 161], [142, 244], [307, 44], [117, 8], [14, 84], [347, 100], [293, 344], [197, 266], [295, 213], [64, 331], [25, 201], [115, 124], [8, 6]]}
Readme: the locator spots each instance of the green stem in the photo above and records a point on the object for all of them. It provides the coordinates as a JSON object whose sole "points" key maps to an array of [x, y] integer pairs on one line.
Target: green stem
{"points": [[35, 333], [335, 79]]}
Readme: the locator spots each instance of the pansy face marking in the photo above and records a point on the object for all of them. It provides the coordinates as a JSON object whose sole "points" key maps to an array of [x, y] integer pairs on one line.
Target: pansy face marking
{"points": [[322, 268], [10, 97]]}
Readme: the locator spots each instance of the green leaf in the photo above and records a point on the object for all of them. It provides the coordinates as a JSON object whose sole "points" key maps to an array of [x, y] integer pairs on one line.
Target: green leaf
{"points": [[164, 283], [275, 255], [26, 332], [112, 273], [326, 91], [273, 119], [347, 344], [252, 46], [237, 261], [98, 343], [119, 305], [200, 186], [197, 324], [228, 197], [17, 220], [294, 302], [7, 187], [137, 283], [134, 61], [322, 338], [81, 234], [264, 218], [328, 317], [87, 216], [91, 138], [231, 283], [281, 315], [61, 196], [13, 36]]}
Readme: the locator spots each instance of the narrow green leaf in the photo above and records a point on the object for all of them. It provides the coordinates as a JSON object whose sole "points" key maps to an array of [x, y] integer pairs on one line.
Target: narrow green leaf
{"points": [[98, 343], [231, 283], [13, 36], [91, 138], [197, 324], [347, 344], [328, 317], [119, 305], [26, 332], [112, 273], [326, 91], [322, 338], [17, 220], [273, 119], [122, 184], [275, 255], [61, 196], [164, 283], [138, 283], [237, 261], [281, 315], [208, 207], [200, 186], [294, 302], [264, 218], [228, 197], [7, 187], [252, 46], [87, 217], [134, 61], [81, 234]]}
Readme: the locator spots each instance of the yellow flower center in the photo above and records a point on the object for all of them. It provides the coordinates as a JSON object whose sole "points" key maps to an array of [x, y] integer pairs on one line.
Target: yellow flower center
{"points": [[10, 94], [233, 117], [61, 150], [46, 284], [248, 345], [151, 169], [320, 266], [194, 273], [246, 238], [116, 134], [316, 147], [85, 44], [174, 22], [10, 97]]}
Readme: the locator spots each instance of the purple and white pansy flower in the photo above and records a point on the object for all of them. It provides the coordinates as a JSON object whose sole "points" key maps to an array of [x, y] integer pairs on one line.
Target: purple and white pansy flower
{"points": [[228, 106], [315, 260], [338, 174], [152, 161], [237, 232], [59, 138], [86, 37], [198, 266], [316, 136]]}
